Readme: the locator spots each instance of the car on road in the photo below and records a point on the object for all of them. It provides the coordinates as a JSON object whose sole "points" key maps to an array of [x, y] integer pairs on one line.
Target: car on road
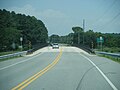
{"points": [[55, 45]]}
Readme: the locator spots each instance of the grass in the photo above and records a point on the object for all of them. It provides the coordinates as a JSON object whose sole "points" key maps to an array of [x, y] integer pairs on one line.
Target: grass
{"points": [[9, 58], [10, 52], [111, 49], [116, 59]]}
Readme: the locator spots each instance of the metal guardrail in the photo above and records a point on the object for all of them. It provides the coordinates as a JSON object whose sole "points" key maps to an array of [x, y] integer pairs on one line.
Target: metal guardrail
{"points": [[24, 52], [13, 55], [110, 54]]}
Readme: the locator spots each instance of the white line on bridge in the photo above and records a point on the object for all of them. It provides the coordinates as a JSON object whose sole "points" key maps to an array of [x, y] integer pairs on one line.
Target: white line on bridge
{"points": [[106, 78]]}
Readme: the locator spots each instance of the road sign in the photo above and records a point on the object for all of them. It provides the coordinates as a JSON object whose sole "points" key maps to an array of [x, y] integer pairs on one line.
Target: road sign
{"points": [[100, 40], [21, 39]]}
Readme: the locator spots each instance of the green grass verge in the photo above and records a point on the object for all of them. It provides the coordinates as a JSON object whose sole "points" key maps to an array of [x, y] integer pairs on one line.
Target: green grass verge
{"points": [[116, 59], [10, 58], [111, 50], [10, 52]]}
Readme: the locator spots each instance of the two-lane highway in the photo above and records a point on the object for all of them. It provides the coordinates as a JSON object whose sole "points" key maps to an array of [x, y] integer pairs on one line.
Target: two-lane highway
{"points": [[11, 74], [67, 68]]}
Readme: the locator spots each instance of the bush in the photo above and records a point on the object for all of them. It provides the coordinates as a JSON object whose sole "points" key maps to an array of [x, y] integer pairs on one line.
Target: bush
{"points": [[111, 50]]}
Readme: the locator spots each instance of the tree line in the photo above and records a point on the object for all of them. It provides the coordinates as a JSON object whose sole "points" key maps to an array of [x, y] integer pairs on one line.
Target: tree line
{"points": [[15, 26], [89, 38]]}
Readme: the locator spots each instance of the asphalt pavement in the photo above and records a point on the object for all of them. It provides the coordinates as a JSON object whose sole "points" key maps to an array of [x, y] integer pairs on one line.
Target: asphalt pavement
{"points": [[66, 68]]}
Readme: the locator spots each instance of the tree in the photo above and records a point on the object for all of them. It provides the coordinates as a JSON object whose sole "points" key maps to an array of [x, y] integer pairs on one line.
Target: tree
{"points": [[13, 26], [90, 38], [78, 35], [54, 38]]}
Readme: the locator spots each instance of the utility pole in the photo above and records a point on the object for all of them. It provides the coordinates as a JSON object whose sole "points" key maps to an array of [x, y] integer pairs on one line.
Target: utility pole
{"points": [[83, 29], [78, 38]]}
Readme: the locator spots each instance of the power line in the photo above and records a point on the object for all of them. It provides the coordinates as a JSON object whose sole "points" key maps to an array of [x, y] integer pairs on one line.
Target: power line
{"points": [[106, 11], [105, 25]]}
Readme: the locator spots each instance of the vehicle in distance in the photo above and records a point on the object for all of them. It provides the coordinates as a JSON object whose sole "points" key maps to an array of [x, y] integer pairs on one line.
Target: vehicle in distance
{"points": [[55, 45]]}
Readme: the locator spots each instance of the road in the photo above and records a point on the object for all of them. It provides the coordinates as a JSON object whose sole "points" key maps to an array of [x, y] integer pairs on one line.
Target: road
{"points": [[67, 68]]}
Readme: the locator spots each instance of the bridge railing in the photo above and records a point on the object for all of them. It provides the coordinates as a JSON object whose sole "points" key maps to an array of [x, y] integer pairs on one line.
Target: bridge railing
{"points": [[85, 48]]}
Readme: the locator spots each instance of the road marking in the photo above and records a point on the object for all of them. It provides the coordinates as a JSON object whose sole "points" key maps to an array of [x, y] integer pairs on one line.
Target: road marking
{"points": [[19, 62], [37, 75], [105, 77]]}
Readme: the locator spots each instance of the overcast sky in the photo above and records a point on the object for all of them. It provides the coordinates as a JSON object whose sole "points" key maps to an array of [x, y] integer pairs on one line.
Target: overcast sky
{"points": [[59, 16]]}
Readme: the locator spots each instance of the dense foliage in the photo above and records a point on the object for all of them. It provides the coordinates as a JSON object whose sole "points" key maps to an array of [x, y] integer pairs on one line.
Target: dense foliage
{"points": [[89, 38], [54, 38], [13, 26]]}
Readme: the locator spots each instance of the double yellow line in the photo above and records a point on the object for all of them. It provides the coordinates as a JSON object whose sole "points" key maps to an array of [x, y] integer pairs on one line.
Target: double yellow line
{"points": [[37, 75]]}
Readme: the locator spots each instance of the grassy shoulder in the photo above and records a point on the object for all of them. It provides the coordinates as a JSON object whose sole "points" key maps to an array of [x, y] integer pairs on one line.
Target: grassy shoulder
{"points": [[9, 58], [116, 59], [110, 50], [8, 52]]}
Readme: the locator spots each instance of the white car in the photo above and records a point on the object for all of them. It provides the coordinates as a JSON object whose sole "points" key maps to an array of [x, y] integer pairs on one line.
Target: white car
{"points": [[55, 45]]}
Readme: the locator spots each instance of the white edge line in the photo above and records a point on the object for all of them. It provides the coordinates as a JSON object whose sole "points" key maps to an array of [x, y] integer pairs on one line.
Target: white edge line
{"points": [[19, 62], [106, 78]]}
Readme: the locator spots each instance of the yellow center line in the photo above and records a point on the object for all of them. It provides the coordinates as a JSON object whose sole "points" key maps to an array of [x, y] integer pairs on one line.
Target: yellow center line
{"points": [[37, 75]]}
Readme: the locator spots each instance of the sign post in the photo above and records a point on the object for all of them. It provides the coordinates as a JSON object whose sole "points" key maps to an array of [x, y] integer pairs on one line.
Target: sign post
{"points": [[30, 45], [100, 42], [21, 39]]}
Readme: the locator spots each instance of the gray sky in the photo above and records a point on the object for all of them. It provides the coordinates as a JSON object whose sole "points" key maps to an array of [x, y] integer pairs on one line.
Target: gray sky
{"points": [[60, 16]]}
